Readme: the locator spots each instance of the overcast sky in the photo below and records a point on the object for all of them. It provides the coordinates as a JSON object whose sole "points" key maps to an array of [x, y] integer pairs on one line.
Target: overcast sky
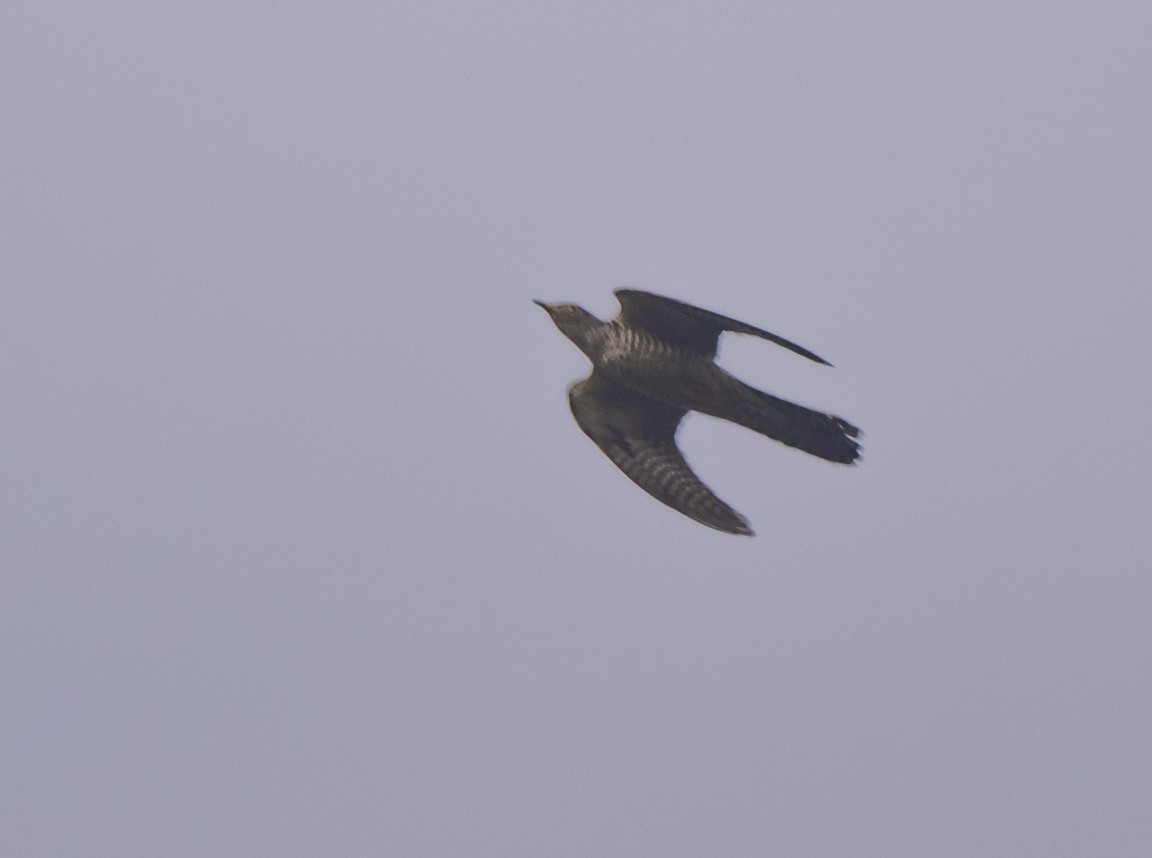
{"points": [[304, 554]]}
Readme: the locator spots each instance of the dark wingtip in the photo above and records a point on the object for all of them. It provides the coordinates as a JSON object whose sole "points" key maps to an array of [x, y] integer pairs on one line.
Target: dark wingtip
{"points": [[737, 527], [793, 347], [812, 356]]}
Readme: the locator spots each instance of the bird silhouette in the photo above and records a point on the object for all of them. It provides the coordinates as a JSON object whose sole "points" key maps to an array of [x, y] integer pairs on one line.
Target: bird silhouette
{"points": [[653, 364]]}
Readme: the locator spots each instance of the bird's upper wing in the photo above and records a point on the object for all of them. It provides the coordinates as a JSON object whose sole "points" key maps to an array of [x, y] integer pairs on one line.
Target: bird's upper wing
{"points": [[639, 436], [690, 327]]}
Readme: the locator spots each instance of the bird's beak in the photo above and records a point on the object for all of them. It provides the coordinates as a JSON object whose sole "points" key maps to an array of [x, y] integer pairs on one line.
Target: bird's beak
{"points": [[540, 303]]}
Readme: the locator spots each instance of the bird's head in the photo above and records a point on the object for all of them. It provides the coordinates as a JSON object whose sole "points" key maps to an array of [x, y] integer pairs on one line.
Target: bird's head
{"points": [[574, 322]]}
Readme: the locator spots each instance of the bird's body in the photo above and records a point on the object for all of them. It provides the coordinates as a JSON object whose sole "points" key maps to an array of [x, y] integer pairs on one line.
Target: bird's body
{"points": [[653, 364]]}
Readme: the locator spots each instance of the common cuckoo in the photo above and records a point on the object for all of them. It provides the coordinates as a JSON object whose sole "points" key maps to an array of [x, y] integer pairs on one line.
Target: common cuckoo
{"points": [[654, 363]]}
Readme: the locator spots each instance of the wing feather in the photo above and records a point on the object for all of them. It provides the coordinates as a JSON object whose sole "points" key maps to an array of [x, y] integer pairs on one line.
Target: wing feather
{"points": [[691, 327], [639, 436]]}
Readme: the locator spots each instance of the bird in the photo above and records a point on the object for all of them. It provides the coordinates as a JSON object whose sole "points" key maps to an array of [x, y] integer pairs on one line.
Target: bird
{"points": [[653, 364]]}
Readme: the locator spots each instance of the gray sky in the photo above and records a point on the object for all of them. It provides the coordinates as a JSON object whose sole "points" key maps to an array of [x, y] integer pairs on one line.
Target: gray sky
{"points": [[306, 556]]}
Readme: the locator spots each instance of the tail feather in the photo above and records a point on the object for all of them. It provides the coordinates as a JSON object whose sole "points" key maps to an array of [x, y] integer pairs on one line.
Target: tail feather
{"points": [[824, 435]]}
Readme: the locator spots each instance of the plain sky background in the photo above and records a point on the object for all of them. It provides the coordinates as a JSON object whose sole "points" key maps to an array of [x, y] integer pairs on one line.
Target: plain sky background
{"points": [[304, 555]]}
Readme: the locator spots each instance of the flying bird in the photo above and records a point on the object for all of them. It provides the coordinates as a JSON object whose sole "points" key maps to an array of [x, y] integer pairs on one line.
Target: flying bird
{"points": [[653, 364]]}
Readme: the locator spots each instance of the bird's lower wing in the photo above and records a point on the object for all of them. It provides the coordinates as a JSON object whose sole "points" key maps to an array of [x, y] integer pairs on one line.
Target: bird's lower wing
{"points": [[638, 435]]}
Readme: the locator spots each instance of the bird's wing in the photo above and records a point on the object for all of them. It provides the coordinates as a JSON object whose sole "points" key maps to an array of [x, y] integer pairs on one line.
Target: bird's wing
{"points": [[639, 436], [690, 327]]}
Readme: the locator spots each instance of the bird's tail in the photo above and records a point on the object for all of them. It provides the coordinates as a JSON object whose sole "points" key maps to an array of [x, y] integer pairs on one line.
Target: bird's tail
{"points": [[823, 435]]}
